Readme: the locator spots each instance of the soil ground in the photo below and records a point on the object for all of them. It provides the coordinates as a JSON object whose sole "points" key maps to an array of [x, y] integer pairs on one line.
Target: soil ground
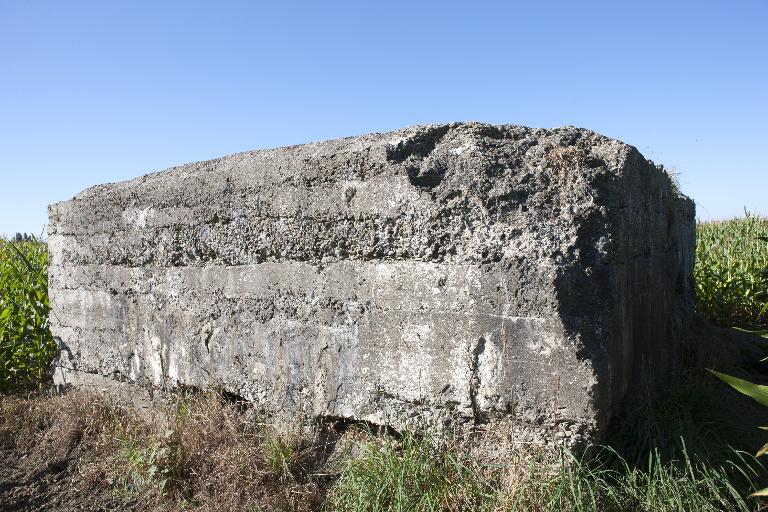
{"points": [[28, 485]]}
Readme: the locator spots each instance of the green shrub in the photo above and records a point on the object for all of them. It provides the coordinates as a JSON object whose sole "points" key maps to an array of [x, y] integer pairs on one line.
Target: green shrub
{"points": [[732, 270], [26, 345]]}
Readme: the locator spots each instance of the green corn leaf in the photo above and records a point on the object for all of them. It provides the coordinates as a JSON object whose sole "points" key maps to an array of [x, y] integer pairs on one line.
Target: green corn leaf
{"points": [[757, 392], [23, 257]]}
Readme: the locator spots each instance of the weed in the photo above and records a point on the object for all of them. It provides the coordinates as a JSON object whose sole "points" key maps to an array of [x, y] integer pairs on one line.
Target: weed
{"points": [[278, 454], [146, 464]]}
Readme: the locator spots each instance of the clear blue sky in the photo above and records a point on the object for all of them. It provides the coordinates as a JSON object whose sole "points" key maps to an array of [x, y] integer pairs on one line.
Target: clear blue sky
{"points": [[101, 91]]}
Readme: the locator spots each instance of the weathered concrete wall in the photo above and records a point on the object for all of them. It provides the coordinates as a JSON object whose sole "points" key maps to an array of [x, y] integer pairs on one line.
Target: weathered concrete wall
{"points": [[437, 275]]}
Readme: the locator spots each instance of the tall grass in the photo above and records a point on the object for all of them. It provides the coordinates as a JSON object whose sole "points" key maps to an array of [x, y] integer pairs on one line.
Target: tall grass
{"points": [[26, 345], [732, 271], [409, 474]]}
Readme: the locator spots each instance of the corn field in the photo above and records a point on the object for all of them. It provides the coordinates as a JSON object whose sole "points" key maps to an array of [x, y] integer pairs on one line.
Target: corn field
{"points": [[732, 271], [26, 345]]}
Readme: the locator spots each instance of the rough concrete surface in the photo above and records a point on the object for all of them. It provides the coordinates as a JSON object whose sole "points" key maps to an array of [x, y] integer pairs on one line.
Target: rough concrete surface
{"points": [[438, 276]]}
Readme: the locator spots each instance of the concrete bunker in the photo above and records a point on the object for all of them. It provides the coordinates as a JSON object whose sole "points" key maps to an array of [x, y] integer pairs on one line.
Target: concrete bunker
{"points": [[438, 276]]}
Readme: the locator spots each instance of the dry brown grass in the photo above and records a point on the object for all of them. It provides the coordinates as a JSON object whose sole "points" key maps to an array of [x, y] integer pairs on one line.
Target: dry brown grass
{"points": [[200, 453]]}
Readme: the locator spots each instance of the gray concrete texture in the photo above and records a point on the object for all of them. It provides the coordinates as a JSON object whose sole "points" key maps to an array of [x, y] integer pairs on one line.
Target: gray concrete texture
{"points": [[434, 277]]}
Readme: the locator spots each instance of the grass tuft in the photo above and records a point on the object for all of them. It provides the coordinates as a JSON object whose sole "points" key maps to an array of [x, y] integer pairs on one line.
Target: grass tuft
{"points": [[408, 474]]}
